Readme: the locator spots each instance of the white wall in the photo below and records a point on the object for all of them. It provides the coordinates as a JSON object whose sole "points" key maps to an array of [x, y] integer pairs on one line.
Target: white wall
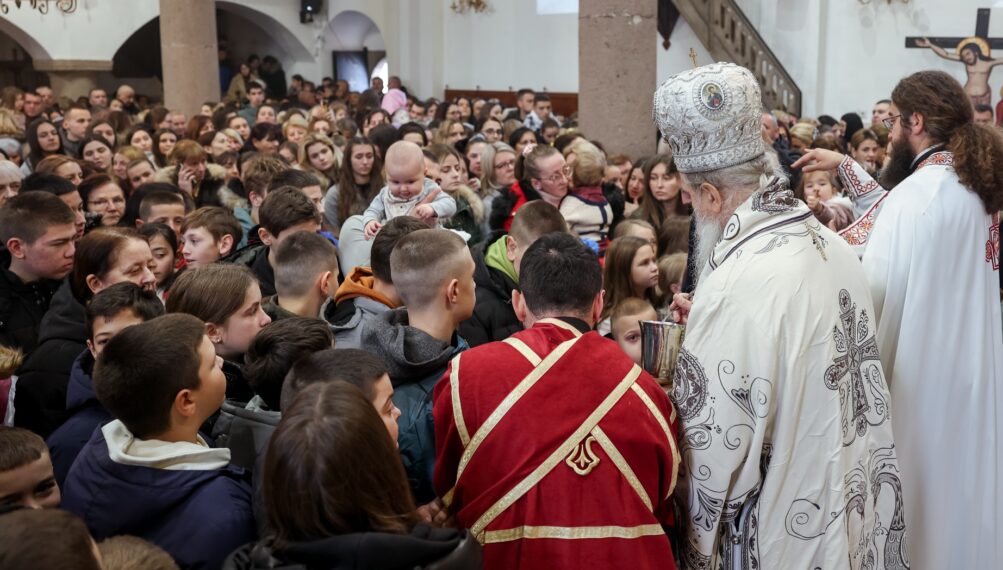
{"points": [[511, 47], [676, 59]]}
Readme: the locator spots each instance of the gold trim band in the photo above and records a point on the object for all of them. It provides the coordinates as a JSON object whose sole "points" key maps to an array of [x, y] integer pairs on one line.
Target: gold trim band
{"points": [[524, 350], [513, 397], [572, 533], [454, 389], [643, 396], [621, 463], [558, 455]]}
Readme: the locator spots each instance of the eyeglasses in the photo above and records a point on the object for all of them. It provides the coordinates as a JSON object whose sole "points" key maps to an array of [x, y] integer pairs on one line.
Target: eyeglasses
{"points": [[106, 202], [560, 176], [890, 121], [506, 164]]}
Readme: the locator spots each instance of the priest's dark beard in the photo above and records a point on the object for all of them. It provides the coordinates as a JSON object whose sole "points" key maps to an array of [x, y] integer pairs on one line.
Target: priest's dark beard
{"points": [[899, 165]]}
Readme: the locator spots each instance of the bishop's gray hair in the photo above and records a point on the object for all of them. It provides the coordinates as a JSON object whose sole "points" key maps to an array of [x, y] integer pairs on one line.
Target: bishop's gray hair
{"points": [[746, 177]]}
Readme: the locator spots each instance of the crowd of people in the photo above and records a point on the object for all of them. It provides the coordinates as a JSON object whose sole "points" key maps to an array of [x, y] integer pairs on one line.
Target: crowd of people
{"points": [[315, 327]]}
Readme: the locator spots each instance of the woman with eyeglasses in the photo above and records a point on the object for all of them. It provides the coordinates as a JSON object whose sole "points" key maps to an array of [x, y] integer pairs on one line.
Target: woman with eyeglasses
{"points": [[103, 197], [543, 175], [497, 174]]}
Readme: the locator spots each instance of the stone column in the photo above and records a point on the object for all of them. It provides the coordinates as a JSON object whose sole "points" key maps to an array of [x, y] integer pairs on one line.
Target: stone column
{"points": [[73, 78], [617, 41], [189, 54]]}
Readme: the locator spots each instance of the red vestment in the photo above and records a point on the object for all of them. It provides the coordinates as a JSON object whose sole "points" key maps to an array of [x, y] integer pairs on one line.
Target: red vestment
{"points": [[557, 452]]}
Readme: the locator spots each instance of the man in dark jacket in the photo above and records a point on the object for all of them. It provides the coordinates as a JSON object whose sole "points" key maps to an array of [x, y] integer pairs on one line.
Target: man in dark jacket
{"points": [[148, 473], [111, 310], [40, 394], [284, 212], [36, 231], [434, 275], [497, 272]]}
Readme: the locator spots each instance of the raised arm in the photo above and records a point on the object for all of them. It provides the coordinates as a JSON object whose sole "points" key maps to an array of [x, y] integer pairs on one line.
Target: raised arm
{"points": [[925, 42]]}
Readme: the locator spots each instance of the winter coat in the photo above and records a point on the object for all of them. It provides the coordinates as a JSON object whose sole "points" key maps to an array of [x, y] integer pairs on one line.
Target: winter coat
{"points": [[469, 216], [86, 414], [508, 202], [425, 548], [245, 431], [355, 303], [255, 258], [198, 515], [494, 318], [22, 307], [415, 362], [40, 393], [213, 190]]}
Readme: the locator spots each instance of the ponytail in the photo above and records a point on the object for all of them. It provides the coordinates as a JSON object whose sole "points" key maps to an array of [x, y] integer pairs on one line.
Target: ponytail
{"points": [[978, 160]]}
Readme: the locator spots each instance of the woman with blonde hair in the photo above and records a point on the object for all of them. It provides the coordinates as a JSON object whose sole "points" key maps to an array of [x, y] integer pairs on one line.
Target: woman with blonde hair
{"points": [[63, 167], [450, 132], [319, 156], [498, 173], [9, 126], [469, 216]]}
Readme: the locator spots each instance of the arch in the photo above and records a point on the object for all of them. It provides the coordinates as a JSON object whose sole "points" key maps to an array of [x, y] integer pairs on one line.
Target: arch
{"points": [[30, 45], [277, 31], [353, 30]]}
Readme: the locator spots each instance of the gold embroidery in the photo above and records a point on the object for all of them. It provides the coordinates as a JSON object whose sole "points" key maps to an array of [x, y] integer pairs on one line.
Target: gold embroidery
{"points": [[454, 388], [562, 451], [561, 324], [665, 427], [524, 350], [621, 463], [506, 405], [581, 460], [572, 532]]}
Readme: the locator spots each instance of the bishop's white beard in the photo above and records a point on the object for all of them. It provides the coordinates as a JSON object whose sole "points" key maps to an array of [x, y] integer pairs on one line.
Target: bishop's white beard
{"points": [[708, 234]]}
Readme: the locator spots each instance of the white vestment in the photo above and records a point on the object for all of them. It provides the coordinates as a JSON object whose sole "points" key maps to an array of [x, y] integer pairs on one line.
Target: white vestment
{"points": [[932, 264], [789, 461]]}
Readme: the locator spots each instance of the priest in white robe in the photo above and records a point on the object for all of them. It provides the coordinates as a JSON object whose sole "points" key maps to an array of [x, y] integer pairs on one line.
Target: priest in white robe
{"points": [[932, 260], [789, 460]]}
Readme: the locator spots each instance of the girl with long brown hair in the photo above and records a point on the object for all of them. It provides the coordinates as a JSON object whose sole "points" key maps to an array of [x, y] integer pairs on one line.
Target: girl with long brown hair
{"points": [[359, 180], [630, 270], [335, 491], [663, 195]]}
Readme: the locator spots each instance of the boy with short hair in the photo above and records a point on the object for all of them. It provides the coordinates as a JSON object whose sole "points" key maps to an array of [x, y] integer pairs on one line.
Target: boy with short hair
{"points": [[163, 207], [256, 175], [434, 276], [306, 276], [305, 181], [109, 312], [209, 234], [284, 212], [245, 429], [407, 189], [139, 172], [497, 274], [541, 112], [368, 291], [37, 231], [26, 476], [357, 367], [626, 328], [149, 473]]}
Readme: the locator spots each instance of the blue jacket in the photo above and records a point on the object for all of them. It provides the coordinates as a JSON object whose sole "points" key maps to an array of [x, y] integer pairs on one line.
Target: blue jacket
{"points": [[197, 516], [415, 362], [87, 414]]}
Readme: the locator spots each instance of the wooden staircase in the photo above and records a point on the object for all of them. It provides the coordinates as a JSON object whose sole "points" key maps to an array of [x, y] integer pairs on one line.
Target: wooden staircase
{"points": [[729, 36]]}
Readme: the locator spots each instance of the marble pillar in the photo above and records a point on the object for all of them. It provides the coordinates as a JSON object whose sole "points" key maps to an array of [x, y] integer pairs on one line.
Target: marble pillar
{"points": [[616, 73], [189, 54]]}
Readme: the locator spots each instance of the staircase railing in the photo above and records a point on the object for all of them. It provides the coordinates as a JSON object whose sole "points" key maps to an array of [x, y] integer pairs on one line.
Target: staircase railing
{"points": [[729, 36]]}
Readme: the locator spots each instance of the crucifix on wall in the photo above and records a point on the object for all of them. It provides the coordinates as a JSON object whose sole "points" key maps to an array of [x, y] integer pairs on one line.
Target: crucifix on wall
{"points": [[974, 51]]}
